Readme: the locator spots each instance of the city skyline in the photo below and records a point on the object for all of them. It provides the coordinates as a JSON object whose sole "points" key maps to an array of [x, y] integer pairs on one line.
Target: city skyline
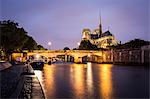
{"points": [[62, 22]]}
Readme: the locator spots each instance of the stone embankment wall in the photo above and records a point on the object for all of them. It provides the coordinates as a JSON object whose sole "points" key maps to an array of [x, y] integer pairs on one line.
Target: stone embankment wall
{"points": [[124, 56], [128, 56]]}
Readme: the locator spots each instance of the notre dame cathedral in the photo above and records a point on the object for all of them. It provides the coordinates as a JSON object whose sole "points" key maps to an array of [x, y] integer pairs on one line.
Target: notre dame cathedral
{"points": [[99, 38]]}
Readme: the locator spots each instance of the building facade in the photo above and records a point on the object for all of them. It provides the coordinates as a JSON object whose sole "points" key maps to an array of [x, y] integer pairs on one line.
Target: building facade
{"points": [[99, 38]]}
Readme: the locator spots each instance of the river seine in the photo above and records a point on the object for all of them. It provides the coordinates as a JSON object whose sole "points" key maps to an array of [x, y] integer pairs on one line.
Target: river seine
{"points": [[91, 80]]}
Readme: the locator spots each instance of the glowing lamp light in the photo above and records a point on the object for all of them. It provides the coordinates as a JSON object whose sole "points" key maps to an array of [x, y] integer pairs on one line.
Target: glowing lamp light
{"points": [[78, 43], [37, 56], [49, 43]]}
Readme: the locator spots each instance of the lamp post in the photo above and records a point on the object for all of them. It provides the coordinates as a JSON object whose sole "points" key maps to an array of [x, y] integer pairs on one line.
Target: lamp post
{"points": [[49, 45]]}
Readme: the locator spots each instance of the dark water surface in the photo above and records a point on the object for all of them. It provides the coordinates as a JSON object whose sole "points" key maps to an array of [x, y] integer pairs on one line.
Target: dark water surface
{"points": [[86, 81]]}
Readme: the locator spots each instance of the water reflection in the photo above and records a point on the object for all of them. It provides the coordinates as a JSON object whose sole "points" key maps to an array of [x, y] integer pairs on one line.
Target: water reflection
{"points": [[81, 80], [49, 80], [38, 73], [77, 79], [105, 81], [86, 81], [46, 78], [89, 79]]}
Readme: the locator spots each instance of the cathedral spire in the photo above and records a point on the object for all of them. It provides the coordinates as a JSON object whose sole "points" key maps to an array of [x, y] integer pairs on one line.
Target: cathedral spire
{"points": [[100, 25], [108, 28]]}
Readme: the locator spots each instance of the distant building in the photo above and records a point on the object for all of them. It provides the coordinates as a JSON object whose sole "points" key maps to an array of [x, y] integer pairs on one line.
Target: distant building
{"points": [[99, 38]]}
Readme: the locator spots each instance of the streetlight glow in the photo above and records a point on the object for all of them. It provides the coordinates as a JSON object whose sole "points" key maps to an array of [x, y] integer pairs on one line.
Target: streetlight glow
{"points": [[78, 43], [37, 56], [49, 44]]}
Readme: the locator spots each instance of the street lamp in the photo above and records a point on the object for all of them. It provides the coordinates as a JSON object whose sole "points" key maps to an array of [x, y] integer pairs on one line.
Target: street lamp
{"points": [[37, 56], [49, 44], [78, 43]]}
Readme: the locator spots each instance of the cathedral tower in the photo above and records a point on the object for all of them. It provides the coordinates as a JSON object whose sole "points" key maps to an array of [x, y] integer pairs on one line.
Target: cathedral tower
{"points": [[100, 26], [86, 34]]}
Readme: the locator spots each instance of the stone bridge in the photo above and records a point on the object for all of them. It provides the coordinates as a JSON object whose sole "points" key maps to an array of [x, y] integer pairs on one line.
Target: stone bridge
{"points": [[78, 55]]}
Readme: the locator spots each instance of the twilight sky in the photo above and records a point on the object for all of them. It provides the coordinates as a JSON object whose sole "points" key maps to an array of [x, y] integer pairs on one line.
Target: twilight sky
{"points": [[62, 21]]}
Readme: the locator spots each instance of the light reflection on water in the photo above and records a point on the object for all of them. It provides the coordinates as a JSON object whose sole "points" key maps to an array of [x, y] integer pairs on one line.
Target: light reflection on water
{"points": [[87, 81], [46, 78], [106, 81], [77, 80]]}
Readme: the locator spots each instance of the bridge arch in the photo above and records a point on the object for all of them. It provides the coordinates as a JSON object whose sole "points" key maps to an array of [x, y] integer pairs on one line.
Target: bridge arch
{"points": [[91, 58], [66, 57], [36, 57]]}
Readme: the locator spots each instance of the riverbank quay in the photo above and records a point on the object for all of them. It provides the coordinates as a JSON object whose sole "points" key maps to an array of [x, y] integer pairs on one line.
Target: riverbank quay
{"points": [[119, 63], [4, 65], [19, 81]]}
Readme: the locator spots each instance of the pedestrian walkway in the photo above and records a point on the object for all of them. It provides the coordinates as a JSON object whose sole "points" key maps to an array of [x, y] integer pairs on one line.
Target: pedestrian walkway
{"points": [[4, 65], [31, 88], [19, 81]]}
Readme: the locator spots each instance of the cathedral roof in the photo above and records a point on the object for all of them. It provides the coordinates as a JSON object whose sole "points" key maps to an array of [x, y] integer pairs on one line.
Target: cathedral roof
{"points": [[94, 36], [107, 33]]}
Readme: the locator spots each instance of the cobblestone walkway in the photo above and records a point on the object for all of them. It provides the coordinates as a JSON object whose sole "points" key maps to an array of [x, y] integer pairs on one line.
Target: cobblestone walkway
{"points": [[32, 88], [9, 80], [19, 81]]}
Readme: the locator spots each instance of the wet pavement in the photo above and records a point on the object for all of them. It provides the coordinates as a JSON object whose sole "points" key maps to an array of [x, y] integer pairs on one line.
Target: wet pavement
{"points": [[19, 81], [10, 78]]}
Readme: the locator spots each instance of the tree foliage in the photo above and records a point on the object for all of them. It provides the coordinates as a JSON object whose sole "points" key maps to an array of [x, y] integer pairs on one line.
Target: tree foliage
{"points": [[30, 44], [66, 48], [136, 43], [15, 38], [40, 47], [87, 45]]}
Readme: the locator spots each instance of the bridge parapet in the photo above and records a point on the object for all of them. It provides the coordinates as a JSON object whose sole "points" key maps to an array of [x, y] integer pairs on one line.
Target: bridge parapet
{"points": [[77, 54], [55, 51]]}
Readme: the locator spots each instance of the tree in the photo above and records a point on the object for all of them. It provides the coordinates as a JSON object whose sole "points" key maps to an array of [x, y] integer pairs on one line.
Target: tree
{"points": [[87, 45], [66, 48], [40, 47], [136, 43], [14, 38], [30, 44], [75, 49]]}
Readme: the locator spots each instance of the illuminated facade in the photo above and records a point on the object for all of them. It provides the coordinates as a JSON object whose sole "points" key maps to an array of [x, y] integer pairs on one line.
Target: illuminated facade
{"points": [[99, 38]]}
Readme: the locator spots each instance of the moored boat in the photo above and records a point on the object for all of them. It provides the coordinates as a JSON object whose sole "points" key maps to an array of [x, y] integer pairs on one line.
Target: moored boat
{"points": [[37, 64]]}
